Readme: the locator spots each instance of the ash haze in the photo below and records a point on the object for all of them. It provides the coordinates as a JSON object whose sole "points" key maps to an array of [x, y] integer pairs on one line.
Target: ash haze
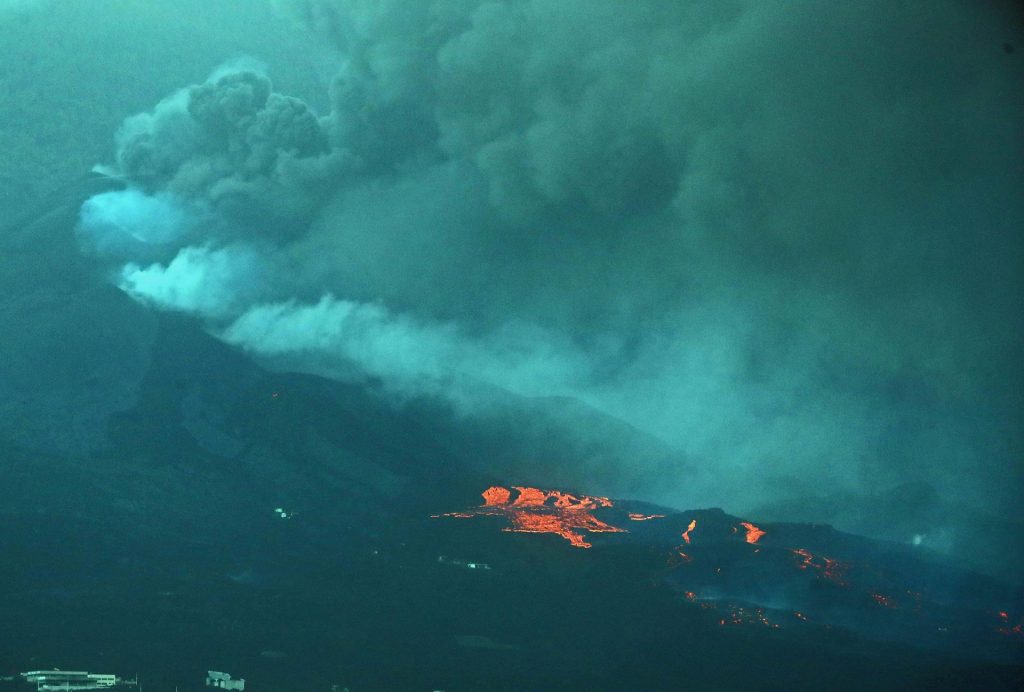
{"points": [[782, 238]]}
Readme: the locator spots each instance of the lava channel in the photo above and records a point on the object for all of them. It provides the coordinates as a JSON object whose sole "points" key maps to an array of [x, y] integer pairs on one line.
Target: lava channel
{"points": [[544, 511], [831, 570], [753, 532], [686, 534]]}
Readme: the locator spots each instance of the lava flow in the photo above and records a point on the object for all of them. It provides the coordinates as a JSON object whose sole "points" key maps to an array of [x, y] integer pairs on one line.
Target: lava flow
{"points": [[831, 570], [680, 554], [686, 534], [544, 511], [753, 532]]}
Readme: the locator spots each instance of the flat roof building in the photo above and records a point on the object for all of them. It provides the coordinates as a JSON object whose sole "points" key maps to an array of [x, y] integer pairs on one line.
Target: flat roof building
{"points": [[223, 681], [70, 680]]}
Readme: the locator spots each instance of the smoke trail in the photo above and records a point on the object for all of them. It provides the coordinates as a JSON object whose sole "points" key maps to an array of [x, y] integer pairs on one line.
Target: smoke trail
{"points": [[782, 239]]}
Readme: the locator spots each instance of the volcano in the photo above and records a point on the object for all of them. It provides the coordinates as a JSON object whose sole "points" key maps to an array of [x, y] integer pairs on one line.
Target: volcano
{"points": [[195, 511], [810, 578]]}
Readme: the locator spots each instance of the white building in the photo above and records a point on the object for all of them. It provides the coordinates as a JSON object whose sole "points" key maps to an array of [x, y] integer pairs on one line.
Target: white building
{"points": [[223, 681], [69, 680]]}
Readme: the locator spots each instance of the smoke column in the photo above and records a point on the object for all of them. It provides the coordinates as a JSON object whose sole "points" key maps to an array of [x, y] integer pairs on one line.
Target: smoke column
{"points": [[782, 238]]}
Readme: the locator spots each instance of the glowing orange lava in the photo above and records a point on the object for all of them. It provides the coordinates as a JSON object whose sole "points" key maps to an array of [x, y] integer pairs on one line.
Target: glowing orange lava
{"points": [[679, 554], [686, 534], [831, 570], [544, 511], [806, 559], [753, 533], [633, 516], [494, 496]]}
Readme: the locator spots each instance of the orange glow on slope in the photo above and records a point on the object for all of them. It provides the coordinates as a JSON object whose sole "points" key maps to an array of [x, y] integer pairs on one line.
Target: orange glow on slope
{"points": [[544, 511], [1006, 629], [530, 497], [753, 533], [832, 570], [686, 534], [739, 615], [673, 560], [633, 516], [734, 614], [494, 496], [805, 558]]}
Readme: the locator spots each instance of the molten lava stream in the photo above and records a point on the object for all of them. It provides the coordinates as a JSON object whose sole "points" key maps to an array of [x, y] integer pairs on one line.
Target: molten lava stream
{"points": [[495, 496], [544, 511], [753, 533], [831, 570], [686, 534]]}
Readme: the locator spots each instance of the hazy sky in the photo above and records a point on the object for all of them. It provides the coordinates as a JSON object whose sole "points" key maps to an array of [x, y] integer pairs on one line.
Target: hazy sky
{"points": [[784, 238]]}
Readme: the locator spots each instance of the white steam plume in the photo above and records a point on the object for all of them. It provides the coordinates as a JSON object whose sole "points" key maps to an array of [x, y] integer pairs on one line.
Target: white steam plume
{"points": [[784, 238]]}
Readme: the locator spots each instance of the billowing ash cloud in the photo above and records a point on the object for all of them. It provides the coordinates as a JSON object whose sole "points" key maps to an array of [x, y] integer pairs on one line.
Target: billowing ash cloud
{"points": [[783, 238], [255, 157]]}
